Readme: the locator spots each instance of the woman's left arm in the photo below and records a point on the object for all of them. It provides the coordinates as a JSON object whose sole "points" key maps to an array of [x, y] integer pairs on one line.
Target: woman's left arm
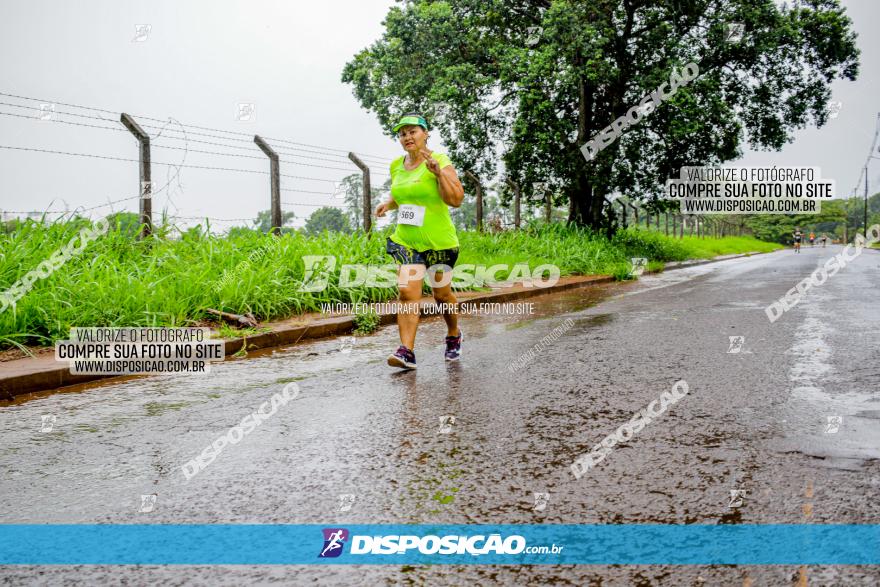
{"points": [[451, 190]]}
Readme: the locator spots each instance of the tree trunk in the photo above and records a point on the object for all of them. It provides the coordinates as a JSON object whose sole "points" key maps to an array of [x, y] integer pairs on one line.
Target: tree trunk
{"points": [[586, 203], [579, 211]]}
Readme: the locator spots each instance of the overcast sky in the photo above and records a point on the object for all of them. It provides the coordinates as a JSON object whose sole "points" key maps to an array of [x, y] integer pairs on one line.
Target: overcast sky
{"points": [[198, 61]]}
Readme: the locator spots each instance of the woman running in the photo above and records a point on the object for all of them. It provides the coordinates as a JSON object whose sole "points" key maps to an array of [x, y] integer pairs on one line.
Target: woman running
{"points": [[423, 187]]}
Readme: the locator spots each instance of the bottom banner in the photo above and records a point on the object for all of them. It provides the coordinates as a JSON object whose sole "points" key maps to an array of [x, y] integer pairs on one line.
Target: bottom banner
{"points": [[625, 544]]}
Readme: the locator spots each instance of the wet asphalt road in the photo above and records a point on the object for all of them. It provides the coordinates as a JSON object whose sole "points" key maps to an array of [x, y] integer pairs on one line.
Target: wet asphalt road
{"points": [[754, 421]]}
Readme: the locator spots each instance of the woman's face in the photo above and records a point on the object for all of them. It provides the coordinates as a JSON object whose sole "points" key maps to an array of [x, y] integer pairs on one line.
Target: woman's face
{"points": [[412, 138]]}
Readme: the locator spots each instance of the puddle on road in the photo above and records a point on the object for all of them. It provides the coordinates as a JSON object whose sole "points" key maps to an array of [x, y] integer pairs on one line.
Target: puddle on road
{"points": [[834, 425], [301, 463], [112, 440], [337, 353]]}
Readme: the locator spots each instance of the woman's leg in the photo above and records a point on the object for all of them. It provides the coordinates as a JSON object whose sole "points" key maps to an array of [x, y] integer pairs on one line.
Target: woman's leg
{"points": [[444, 295], [410, 294]]}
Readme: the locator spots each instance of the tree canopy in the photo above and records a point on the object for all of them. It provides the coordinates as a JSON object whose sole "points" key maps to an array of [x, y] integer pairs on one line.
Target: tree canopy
{"points": [[528, 82], [351, 188], [263, 221], [327, 218]]}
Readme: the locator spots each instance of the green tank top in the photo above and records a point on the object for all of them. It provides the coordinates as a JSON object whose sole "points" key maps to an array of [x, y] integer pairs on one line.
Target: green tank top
{"points": [[418, 189]]}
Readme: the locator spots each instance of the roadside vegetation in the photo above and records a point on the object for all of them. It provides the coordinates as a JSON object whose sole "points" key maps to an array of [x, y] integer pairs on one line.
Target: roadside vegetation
{"points": [[120, 281]]}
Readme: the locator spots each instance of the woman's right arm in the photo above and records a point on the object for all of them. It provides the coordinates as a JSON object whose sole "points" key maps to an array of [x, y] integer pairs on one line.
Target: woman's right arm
{"points": [[385, 206]]}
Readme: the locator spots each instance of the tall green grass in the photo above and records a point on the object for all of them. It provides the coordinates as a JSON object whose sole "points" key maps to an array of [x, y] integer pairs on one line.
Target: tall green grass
{"points": [[119, 281], [659, 247]]}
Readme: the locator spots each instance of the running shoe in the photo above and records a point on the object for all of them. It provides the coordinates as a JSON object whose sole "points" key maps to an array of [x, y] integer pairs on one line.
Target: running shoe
{"points": [[453, 347], [403, 358]]}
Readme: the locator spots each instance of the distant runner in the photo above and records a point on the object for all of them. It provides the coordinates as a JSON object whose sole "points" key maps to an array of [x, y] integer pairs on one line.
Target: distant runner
{"points": [[824, 240], [798, 235], [812, 239], [424, 185]]}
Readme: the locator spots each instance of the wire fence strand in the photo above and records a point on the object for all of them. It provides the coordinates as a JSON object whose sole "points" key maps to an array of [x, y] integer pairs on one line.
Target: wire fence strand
{"points": [[330, 150], [294, 153]]}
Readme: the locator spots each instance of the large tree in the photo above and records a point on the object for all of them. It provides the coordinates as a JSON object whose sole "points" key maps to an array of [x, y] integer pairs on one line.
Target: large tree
{"points": [[529, 82]]}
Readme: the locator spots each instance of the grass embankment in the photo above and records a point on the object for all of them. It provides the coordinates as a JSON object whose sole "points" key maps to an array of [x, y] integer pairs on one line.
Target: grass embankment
{"points": [[119, 281]]}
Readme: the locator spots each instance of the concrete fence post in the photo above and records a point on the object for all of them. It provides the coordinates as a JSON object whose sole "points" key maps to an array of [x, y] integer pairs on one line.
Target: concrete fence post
{"points": [[368, 205], [145, 173], [274, 183]]}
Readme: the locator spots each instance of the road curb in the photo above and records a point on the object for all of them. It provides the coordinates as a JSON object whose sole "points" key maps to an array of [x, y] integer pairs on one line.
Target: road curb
{"points": [[46, 374]]}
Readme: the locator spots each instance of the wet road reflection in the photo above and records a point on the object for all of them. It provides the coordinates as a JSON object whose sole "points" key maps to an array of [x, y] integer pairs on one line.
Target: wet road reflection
{"points": [[474, 442]]}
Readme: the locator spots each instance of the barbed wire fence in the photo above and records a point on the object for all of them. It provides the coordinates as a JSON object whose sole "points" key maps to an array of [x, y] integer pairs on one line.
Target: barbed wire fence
{"points": [[174, 137], [171, 135]]}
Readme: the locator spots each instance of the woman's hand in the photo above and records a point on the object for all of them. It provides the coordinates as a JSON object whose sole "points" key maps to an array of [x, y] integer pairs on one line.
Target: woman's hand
{"points": [[430, 162], [451, 190], [384, 207]]}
